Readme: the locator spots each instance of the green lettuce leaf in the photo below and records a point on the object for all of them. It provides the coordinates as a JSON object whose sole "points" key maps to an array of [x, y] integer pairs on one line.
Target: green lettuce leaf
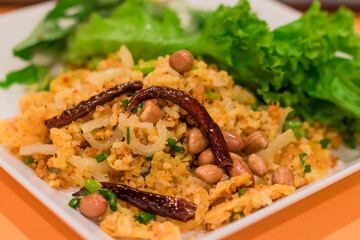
{"points": [[316, 82], [28, 75], [147, 29], [50, 34]]}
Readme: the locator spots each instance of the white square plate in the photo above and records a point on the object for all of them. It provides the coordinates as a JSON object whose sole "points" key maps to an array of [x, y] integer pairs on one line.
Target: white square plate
{"points": [[16, 25]]}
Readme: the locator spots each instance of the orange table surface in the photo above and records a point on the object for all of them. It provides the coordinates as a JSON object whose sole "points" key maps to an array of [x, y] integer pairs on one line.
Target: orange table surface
{"points": [[330, 214]]}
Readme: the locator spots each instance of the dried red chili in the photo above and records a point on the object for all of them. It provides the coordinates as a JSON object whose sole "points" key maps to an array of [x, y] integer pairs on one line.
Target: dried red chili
{"points": [[162, 205], [198, 111], [86, 106]]}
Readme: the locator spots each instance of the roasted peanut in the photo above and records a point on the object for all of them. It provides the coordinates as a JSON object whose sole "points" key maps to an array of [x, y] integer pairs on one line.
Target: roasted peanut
{"points": [[93, 205], [234, 143], [206, 157], [283, 175], [255, 142], [239, 166], [209, 173], [197, 141], [151, 113], [257, 165], [181, 61]]}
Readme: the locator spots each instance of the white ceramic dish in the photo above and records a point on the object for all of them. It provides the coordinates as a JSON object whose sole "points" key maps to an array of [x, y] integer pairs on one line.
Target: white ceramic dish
{"points": [[16, 25]]}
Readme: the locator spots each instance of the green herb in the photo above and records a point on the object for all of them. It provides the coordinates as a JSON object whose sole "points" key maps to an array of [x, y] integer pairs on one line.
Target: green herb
{"points": [[177, 149], [307, 168], [296, 126], [125, 103], [242, 191], [128, 135], [74, 203], [302, 156], [195, 67], [234, 215], [255, 105], [292, 124], [212, 95], [28, 161], [144, 217], [101, 157], [140, 105], [146, 68], [172, 143], [28, 75], [324, 143], [91, 185], [111, 197], [299, 133], [149, 158], [86, 192]]}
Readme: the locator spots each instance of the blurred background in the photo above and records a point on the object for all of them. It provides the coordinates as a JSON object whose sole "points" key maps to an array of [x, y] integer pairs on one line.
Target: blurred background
{"points": [[299, 4], [302, 5], [327, 4]]}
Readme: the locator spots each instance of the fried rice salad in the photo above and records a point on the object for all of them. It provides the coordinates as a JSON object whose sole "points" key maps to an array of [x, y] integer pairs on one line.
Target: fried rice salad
{"points": [[164, 147]]}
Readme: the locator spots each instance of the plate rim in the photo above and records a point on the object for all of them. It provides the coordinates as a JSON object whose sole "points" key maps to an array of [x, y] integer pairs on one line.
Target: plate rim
{"points": [[221, 232]]}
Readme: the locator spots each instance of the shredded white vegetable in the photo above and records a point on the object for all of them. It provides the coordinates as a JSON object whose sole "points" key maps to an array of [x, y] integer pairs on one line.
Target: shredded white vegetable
{"points": [[46, 149]]}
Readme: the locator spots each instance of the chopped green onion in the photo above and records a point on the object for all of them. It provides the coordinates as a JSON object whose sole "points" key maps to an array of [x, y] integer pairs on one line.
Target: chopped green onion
{"points": [[85, 193], [128, 135], [149, 158], [131, 94], [146, 68], [242, 191], [74, 203], [29, 161], [113, 202], [101, 157], [299, 133], [302, 155], [307, 168], [212, 95], [195, 67], [292, 124], [144, 217], [177, 149], [111, 197], [91, 185], [125, 103], [235, 214], [105, 193], [324, 143], [140, 105], [296, 126], [172, 143], [255, 105]]}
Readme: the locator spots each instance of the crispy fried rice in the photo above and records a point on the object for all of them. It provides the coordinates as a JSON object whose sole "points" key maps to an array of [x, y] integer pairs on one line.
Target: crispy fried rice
{"points": [[66, 156]]}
